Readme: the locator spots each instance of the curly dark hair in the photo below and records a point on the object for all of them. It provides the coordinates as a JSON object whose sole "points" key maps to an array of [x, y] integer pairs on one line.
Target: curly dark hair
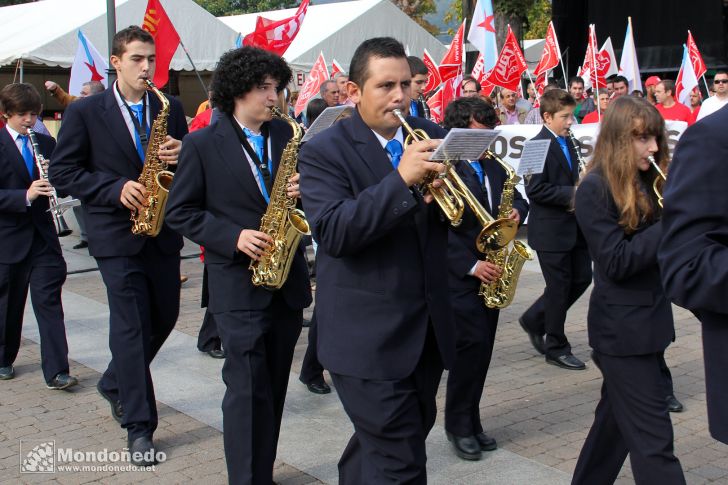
{"points": [[460, 111], [241, 70]]}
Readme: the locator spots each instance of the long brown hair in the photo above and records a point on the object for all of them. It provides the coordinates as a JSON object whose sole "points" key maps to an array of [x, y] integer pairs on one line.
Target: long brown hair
{"points": [[626, 118]]}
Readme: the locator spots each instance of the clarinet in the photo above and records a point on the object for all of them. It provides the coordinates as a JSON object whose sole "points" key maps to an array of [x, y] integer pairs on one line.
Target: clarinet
{"points": [[575, 144], [56, 208], [425, 108]]}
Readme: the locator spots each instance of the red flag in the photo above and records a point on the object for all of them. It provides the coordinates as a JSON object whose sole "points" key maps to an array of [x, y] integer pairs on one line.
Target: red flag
{"points": [[335, 67], [595, 75], [433, 73], [478, 69], [166, 39], [539, 85], [451, 90], [319, 73], [452, 63], [276, 35], [695, 58], [435, 104], [510, 64], [551, 52]]}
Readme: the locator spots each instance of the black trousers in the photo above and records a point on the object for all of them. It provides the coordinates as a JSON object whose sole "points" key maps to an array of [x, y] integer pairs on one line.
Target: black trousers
{"points": [[208, 338], [631, 417], [311, 368], [567, 275], [475, 328], [259, 346], [392, 419], [143, 292], [43, 271]]}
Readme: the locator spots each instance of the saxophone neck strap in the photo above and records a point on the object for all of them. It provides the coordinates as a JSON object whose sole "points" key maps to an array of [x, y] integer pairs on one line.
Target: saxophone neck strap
{"points": [[142, 128], [265, 169]]}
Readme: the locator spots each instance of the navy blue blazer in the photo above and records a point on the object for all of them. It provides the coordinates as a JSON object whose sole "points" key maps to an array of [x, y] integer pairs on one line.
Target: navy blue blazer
{"points": [[462, 253], [214, 196], [551, 226], [693, 252], [382, 255], [94, 158], [628, 311], [18, 222]]}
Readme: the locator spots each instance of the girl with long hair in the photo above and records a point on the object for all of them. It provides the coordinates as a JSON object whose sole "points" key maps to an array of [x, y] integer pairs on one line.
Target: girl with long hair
{"points": [[630, 321]]}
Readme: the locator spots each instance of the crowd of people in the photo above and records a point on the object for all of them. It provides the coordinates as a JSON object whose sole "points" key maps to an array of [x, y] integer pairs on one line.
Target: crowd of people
{"points": [[396, 283]]}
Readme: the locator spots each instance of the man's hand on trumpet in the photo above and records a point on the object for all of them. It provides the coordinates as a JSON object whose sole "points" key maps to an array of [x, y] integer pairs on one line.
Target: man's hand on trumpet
{"points": [[415, 164]]}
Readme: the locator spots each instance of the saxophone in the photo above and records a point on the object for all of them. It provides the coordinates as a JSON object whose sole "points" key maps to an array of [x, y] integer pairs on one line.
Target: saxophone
{"points": [[282, 221], [499, 293], [154, 177]]}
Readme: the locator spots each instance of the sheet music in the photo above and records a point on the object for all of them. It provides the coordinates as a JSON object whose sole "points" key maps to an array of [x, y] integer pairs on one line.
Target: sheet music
{"points": [[464, 144], [327, 118], [533, 157]]}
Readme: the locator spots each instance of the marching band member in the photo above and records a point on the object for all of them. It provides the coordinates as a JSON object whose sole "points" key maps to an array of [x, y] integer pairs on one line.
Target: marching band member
{"points": [[384, 322], [30, 255], [219, 195], [630, 319], [475, 323], [99, 158]]}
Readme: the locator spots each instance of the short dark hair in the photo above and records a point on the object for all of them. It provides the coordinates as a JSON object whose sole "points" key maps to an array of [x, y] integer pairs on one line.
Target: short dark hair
{"points": [[576, 79], [239, 71], [417, 65], [460, 111], [95, 86], [720, 71], [471, 79], [381, 47], [314, 108], [620, 79], [19, 98], [127, 35], [668, 85], [555, 100]]}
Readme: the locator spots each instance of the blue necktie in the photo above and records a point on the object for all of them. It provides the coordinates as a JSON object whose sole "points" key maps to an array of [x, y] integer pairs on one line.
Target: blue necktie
{"points": [[394, 148], [413, 108], [564, 148], [479, 172], [257, 142], [137, 109], [27, 155]]}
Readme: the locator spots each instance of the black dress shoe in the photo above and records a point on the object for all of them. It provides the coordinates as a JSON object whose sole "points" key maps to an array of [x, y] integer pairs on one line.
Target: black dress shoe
{"points": [[117, 412], [62, 381], [486, 442], [142, 451], [536, 339], [319, 387], [566, 361], [81, 245], [217, 353], [7, 373], [466, 447], [673, 405]]}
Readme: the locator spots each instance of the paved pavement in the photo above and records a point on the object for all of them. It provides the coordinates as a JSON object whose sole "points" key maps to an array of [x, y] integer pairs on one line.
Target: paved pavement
{"points": [[538, 413]]}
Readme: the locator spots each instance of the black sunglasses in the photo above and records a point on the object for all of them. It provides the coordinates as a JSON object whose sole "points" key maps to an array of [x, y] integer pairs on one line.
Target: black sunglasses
{"points": [[720, 81]]}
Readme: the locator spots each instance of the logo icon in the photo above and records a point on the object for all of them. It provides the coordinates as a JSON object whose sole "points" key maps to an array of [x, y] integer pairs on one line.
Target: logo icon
{"points": [[40, 459]]}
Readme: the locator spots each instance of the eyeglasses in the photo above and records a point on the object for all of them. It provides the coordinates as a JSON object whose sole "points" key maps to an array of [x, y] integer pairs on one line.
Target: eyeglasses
{"points": [[720, 81]]}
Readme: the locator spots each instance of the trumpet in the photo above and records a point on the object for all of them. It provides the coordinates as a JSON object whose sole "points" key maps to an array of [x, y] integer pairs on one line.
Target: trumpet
{"points": [[56, 208], [660, 176], [454, 194]]}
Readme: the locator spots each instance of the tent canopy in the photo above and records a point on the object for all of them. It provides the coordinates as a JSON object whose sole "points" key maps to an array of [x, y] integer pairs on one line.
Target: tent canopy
{"points": [[336, 29], [46, 32]]}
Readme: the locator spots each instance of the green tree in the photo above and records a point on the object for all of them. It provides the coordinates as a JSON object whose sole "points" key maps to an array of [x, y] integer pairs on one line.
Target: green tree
{"points": [[539, 17], [219, 8], [529, 16], [7, 3], [416, 10]]}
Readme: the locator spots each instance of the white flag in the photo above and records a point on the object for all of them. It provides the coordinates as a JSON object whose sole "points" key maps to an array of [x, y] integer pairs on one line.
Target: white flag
{"points": [[88, 65], [482, 32], [686, 79], [628, 66], [608, 51]]}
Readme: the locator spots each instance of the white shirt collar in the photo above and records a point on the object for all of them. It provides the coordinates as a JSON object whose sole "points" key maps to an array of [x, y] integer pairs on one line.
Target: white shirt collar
{"points": [[120, 101], [14, 134], [552, 131], [397, 136]]}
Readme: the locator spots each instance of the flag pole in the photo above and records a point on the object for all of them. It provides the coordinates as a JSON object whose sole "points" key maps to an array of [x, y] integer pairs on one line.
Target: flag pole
{"points": [[110, 32], [204, 88], [707, 89], [593, 31]]}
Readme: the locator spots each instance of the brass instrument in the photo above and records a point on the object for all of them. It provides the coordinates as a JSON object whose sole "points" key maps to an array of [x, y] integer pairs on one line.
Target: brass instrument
{"points": [[575, 144], [154, 177], [454, 194], [499, 293], [55, 208], [660, 176], [425, 107], [282, 221]]}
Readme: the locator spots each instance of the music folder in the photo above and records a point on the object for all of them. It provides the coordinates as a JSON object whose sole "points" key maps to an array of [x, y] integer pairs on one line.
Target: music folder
{"points": [[464, 144]]}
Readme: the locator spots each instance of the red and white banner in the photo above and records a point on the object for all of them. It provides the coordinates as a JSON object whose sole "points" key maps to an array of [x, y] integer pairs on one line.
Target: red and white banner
{"points": [[435, 104], [539, 85], [336, 67], [319, 73], [478, 71], [610, 66], [695, 58], [509, 66], [452, 63], [596, 63], [551, 55], [88, 65], [686, 79], [433, 73], [276, 35]]}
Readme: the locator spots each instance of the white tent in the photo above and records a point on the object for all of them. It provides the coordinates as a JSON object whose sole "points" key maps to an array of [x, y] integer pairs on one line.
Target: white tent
{"points": [[336, 29], [46, 32]]}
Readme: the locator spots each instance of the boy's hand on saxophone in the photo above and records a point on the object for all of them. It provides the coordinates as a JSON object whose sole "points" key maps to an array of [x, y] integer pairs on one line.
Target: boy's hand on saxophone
{"points": [[134, 195], [169, 150]]}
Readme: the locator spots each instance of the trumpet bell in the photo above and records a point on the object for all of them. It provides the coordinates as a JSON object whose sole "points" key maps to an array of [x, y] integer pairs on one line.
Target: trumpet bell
{"points": [[496, 235]]}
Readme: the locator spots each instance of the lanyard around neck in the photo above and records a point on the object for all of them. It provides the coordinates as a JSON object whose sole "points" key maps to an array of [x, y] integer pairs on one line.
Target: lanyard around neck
{"points": [[142, 128], [265, 169]]}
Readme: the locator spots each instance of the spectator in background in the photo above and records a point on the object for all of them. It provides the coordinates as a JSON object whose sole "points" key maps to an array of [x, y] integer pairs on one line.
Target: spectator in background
{"points": [[621, 86], [603, 100], [314, 108], [534, 116], [510, 114], [470, 88], [584, 105], [695, 102], [637, 94], [341, 79], [650, 84], [329, 92], [720, 99], [668, 107]]}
